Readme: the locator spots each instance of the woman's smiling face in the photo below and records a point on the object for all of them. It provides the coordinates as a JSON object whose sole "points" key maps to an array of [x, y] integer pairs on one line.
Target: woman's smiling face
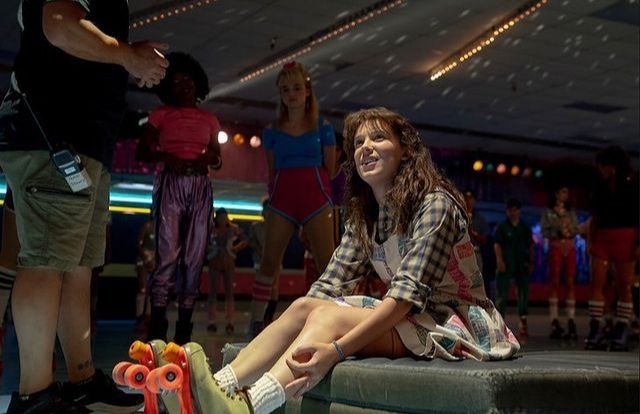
{"points": [[378, 153]]}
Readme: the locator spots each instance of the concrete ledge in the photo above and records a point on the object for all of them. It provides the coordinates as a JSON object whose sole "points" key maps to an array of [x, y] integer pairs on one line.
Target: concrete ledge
{"points": [[549, 382]]}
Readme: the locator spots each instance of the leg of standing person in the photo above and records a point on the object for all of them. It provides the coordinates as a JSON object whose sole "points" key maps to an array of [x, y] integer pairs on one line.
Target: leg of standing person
{"points": [[624, 305], [555, 265], [8, 257], [196, 238], [229, 299], [503, 283], [270, 312], [522, 285], [570, 279], [278, 231], [212, 298], [599, 272], [168, 250], [320, 236], [62, 237]]}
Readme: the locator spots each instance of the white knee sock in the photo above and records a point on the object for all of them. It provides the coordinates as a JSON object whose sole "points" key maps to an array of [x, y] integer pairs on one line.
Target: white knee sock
{"points": [[227, 379], [266, 394]]}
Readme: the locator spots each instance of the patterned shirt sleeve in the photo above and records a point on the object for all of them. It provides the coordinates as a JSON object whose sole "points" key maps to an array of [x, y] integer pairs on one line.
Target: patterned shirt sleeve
{"points": [[347, 265], [428, 248]]}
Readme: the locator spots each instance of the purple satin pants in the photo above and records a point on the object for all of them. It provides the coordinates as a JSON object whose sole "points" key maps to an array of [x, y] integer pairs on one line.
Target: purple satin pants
{"points": [[182, 207]]}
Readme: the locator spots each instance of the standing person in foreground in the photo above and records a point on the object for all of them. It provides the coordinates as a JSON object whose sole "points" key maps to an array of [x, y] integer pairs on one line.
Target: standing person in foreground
{"points": [[408, 224], [70, 75], [185, 138], [300, 151]]}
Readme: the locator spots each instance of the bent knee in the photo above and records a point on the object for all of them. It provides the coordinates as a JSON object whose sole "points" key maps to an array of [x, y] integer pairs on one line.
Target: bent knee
{"points": [[302, 307], [326, 315]]}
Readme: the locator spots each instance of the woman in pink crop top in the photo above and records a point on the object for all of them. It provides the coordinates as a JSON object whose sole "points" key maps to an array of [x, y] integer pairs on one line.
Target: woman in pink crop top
{"points": [[184, 138]]}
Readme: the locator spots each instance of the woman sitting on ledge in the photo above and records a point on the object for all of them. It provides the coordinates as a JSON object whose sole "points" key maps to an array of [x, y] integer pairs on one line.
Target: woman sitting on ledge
{"points": [[405, 222]]}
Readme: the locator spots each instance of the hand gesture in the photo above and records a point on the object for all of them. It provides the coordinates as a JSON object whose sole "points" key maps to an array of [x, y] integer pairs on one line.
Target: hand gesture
{"points": [[146, 63], [309, 364]]}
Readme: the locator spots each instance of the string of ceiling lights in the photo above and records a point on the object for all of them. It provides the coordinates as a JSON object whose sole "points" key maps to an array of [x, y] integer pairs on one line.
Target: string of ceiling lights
{"points": [[339, 28], [165, 10], [485, 39]]}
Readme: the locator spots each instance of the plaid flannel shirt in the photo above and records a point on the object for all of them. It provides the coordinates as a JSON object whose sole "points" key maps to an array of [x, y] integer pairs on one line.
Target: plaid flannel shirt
{"points": [[437, 226]]}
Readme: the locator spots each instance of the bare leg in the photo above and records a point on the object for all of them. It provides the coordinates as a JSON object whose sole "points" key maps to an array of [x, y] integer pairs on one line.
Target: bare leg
{"points": [[319, 230], [229, 299], [254, 360], [36, 303], [599, 271], [624, 281], [325, 324], [74, 325], [278, 231]]}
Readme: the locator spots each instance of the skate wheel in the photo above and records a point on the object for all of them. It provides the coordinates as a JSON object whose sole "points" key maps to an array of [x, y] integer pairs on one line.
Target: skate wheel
{"points": [[166, 378], [171, 352], [118, 372], [136, 376], [137, 350]]}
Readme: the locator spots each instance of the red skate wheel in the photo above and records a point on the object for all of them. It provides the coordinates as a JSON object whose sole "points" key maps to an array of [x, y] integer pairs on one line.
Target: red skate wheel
{"points": [[118, 372], [166, 378], [136, 376]]}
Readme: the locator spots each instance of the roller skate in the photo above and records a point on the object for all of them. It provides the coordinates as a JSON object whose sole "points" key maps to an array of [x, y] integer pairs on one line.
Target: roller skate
{"points": [[173, 378], [135, 376], [572, 334], [556, 330], [198, 385], [597, 339], [620, 337]]}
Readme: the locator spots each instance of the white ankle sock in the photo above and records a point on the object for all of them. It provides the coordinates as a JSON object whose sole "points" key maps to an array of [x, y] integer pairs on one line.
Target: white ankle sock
{"points": [[227, 379], [266, 394]]}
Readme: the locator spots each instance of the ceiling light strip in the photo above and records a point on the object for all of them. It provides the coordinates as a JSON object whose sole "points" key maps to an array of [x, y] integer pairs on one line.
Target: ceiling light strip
{"points": [[485, 39], [303, 47], [164, 11]]}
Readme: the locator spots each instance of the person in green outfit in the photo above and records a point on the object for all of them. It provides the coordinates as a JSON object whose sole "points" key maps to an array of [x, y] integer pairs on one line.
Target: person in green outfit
{"points": [[514, 259]]}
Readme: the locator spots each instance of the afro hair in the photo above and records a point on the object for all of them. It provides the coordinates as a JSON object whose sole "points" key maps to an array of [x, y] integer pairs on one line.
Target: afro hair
{"points": [[180, 62]]}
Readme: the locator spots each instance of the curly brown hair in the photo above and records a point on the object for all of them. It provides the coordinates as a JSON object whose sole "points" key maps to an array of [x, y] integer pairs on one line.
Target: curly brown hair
{"points": [[416, 177]]}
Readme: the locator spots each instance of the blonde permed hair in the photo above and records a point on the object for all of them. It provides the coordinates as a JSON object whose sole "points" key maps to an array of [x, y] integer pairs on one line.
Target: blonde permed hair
{"points": [[291, 70]]}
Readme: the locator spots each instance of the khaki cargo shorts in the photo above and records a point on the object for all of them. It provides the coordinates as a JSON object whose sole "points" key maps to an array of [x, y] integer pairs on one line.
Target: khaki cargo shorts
{"points": [[57, 228]]}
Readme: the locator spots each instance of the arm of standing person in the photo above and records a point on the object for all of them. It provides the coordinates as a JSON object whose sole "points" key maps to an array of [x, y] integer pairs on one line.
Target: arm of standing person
{"points": [[328, 142], [269, 143], [241, 241], [573, 224], [146, 148], [212, 155], [545, 225], [532, 251], [144, 230], [65, 26]]}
